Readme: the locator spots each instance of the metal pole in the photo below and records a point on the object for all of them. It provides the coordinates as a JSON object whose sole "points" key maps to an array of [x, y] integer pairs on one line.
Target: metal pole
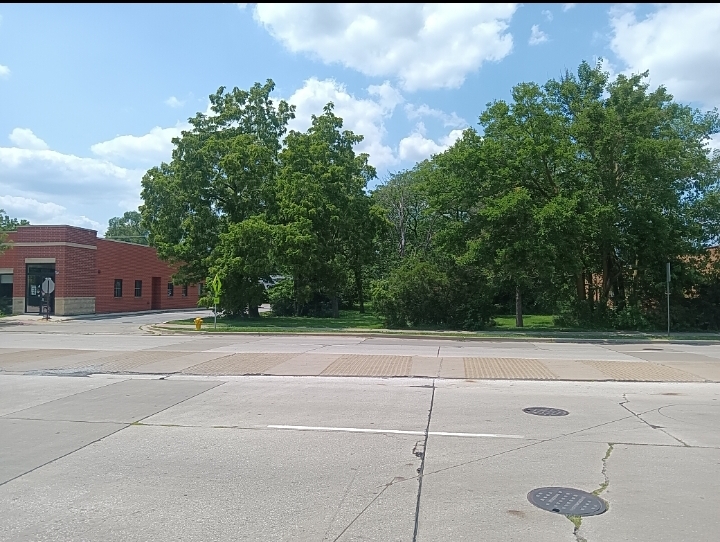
{"points": [[668, 297], [215, 315]]}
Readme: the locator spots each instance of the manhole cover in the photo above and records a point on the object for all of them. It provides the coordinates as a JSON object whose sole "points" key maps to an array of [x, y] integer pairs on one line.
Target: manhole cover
{"points": [[545, 411], [567, 501]]}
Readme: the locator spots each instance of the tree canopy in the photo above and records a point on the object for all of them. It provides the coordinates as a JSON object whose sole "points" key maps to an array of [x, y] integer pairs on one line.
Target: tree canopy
{"points": [[128, 228], [568, 199]]}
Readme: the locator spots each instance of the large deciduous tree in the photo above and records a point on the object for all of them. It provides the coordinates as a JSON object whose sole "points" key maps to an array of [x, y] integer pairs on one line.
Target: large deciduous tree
{"points": [[222, 174], [324, 219]]}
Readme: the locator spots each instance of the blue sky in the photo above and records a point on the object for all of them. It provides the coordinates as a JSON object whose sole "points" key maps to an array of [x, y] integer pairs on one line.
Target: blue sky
{"points": [[90, 95]]}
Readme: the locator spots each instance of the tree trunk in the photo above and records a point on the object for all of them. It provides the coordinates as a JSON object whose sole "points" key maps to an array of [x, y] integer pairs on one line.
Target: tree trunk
{"points": [[580, 284], [335, 307], [359, 287], [518, 308], [254, 311]]}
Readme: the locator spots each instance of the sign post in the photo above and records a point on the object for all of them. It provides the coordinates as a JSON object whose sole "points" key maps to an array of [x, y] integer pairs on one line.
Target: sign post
{"points": [[47, 287], [216, 286], [667, 281]]}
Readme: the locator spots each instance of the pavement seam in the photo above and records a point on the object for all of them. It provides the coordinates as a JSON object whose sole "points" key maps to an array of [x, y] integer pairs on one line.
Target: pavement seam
{"points": [[125, 426], [421, 470], [342, 500], [639, 417], [64, 455], [64, 397], [535, 443]]}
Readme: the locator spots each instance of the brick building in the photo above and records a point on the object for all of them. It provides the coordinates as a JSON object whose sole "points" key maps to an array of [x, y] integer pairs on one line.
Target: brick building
{"points": [[90, 274]]}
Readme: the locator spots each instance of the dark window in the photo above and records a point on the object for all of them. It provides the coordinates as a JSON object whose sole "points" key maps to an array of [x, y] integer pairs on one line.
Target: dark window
{"points": [[184, 290], [201, 289], [138, 288], [118, 287], [171, 289]]}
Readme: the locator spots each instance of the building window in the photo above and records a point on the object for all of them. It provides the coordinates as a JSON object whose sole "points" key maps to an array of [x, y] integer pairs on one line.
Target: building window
{"points": [[184, 290], [201, 289], [138, 288], [118, 287], [171, 289]]}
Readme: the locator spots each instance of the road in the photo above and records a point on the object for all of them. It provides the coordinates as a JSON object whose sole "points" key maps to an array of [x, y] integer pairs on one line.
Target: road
{"points": [[136, 447]]}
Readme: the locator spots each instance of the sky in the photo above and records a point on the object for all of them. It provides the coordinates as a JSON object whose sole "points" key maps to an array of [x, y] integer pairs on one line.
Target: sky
{"points": [[91, 95]]}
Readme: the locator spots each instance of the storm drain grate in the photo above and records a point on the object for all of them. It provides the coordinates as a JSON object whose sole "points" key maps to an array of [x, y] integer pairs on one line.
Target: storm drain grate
{"points": [[545, 411], [567, 501]]}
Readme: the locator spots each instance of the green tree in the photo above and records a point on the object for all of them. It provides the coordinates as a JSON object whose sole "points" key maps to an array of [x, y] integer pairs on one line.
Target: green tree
{"points": [[127, 228], [648, 175], [8, 224], [222, 174], [323, 214]]}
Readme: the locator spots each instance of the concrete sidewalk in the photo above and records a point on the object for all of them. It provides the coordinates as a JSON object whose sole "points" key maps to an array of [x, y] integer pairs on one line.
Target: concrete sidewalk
{"points": [[356, 357]]}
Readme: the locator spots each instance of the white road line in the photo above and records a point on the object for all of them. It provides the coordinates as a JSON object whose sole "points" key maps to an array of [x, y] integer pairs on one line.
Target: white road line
{"points": [[392, 431]]}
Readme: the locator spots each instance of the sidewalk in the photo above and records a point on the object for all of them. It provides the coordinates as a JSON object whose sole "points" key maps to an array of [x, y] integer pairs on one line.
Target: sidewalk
{"points": [[677, 368]]}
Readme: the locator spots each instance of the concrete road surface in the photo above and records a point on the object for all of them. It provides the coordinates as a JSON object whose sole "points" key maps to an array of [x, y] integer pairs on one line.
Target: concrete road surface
{"points": [[150, 458], [108, 432]]}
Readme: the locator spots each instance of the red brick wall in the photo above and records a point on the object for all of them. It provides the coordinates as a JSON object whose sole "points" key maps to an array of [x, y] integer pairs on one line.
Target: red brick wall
{"points": [[75, 266], [118, 260], [87, 272]]}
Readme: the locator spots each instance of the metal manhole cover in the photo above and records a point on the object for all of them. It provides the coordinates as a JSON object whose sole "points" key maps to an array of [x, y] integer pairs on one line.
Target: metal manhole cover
{"points": [[567, 501], [545, 411]]}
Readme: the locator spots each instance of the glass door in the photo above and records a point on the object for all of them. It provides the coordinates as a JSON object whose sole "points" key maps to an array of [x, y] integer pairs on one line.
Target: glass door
{"points": [[34, 300]]}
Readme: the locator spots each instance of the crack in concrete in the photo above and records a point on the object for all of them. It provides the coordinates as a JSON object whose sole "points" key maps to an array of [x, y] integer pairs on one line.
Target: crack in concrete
{"points": [[577, 520], [624, 403]]}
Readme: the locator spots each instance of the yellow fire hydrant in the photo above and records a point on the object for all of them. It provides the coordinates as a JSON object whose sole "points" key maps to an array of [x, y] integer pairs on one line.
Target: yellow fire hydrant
{"points": [[198, 323]]}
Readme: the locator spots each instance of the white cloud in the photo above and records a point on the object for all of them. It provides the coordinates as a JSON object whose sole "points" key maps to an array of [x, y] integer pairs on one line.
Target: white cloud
{"points": [[678, 43], [363, 116], [417, 147], [25, 139], [449, 120], [45, 212], [172, 101], [568, 7], [49, 187], [537, 36], [4, 71], [148, 149], [423, 45], [548, 14]]}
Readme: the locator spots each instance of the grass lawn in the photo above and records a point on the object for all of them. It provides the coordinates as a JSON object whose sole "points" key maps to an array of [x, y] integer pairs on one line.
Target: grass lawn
{"points": [[530, 321], [536, 326], [349, 320]]}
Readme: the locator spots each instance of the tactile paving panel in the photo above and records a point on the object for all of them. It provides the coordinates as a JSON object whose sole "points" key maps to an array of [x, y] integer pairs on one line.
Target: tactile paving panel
{"points": [[33, 359], [642, 371], [507, 369], [127, 361], [359, 365], [239, 364]]}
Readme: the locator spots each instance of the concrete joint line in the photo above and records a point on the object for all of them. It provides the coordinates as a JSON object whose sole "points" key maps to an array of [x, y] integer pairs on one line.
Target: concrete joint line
{"points": [[639, 417], [421, 470]]}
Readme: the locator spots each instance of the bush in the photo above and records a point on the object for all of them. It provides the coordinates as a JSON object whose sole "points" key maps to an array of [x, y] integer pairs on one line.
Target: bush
{"points": [[422, 293], [281, 298]]}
